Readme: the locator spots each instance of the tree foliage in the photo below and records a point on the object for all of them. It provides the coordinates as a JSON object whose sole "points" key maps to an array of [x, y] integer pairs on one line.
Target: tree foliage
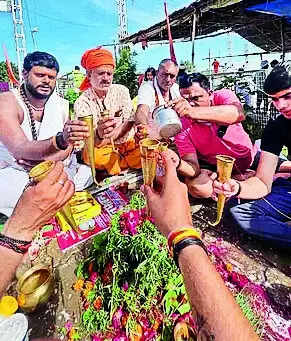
{"points": [[125, 72], [71, 95], [3, 72], [190, 67]]}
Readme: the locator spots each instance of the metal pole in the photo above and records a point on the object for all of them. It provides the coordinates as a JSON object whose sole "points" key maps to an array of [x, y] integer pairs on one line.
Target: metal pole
{"points": [[209, 67], [115, 53], [33, 31], [283, 39], [193, 36], [19, 36]]}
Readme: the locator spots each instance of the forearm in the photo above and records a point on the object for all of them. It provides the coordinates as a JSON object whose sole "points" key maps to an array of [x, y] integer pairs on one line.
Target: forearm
{"points": [[141, 115], [9, 261], [211, 299], [189, 165], [221, 114], [253, 188], [39, 150], [188, 169], [123, 129]]}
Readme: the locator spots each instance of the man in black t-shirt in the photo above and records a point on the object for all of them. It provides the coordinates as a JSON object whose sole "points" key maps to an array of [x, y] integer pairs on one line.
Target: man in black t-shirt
{"points": [[268, 217]]}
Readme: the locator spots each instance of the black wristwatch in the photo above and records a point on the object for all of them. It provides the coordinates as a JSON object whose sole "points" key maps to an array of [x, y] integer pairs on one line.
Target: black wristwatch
{"points": [[60, 141]]}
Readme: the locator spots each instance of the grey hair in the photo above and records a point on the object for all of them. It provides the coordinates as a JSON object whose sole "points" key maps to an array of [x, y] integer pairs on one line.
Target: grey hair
{"points": [[166, 60]]}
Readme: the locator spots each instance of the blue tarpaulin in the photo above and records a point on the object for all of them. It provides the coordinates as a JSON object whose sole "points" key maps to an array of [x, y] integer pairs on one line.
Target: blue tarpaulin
{"points": [[281, 8]]}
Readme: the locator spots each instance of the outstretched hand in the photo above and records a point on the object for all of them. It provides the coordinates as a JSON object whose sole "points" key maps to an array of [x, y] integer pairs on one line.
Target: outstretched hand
{"points": [[39, 203], [75, 131], [170, 208], [182, 107], [229, 188]]}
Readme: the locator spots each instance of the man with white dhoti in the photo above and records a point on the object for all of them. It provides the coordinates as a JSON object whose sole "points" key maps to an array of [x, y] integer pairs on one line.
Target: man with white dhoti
{"points": [[34, 127]]}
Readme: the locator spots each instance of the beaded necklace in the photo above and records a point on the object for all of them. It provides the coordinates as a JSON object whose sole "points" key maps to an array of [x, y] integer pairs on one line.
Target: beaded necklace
{"points": [[29, 108]]}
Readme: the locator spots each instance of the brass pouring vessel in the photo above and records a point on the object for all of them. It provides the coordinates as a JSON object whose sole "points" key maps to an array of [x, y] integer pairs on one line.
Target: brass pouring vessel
{"points": [[39, 172], [89, 144], [149, 148], [224, 169], [106, 114], [34, 287]]}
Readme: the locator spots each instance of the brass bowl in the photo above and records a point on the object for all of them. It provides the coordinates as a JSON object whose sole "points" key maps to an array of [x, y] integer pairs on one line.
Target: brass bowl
{"points": [[34, 287], [40, 171]]}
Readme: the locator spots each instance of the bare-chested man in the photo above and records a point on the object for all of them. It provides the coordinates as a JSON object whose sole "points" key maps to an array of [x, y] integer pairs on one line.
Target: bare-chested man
{"points": [[34, 126]]}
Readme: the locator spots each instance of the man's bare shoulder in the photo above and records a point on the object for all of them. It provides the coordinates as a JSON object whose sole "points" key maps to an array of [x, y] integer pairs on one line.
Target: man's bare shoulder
{"points": [[8, 105], [7, 96]]}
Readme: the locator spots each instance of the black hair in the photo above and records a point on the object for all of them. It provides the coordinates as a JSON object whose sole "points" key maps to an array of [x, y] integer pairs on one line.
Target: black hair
{"points": [[38, 58], [77, 67], [278, 79], [149, 69], [187, 80], [274, 62]]}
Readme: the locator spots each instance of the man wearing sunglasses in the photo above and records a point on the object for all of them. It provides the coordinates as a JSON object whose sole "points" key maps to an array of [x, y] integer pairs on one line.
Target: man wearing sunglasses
{"points": [[268, 217], [211, 126], [152, 94]]}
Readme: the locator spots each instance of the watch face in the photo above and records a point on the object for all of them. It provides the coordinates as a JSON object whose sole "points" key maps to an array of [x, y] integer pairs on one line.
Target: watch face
{"points": [[61, 144]]}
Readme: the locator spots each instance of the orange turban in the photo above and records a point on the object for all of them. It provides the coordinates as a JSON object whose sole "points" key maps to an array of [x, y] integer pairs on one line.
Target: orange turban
{"points": [[92, 59]]}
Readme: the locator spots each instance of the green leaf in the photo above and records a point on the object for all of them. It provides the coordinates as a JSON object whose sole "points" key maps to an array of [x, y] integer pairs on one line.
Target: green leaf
{"points": [[80, 270], [185, 308]]}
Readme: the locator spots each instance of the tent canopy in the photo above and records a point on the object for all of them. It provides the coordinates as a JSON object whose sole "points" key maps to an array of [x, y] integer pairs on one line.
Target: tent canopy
{"points": [[214, 16], [282, 8]]}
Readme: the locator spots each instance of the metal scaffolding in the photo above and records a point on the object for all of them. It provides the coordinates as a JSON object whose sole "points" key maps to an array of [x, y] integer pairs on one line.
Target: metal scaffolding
{"points": [[19, 36], [122, 19]]}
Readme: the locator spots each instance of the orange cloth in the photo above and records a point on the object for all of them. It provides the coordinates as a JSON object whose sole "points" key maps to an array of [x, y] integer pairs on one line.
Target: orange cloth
{"points": [[112, 162], [92, 59]]}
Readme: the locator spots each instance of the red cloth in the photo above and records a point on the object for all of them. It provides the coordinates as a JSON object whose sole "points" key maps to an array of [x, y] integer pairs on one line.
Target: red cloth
{"points": [[11, 76], [172, 51], [94, 58], [215, 66], [140, 80]]}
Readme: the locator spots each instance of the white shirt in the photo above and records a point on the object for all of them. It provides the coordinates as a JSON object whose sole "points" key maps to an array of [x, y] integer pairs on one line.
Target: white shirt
{"points": [[146, 94]]}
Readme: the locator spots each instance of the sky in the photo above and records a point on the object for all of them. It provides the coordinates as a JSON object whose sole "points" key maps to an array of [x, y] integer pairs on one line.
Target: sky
{"points": [[67, 28]]}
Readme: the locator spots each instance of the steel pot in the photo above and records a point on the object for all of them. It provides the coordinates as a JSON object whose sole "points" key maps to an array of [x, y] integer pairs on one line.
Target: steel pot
{"points": [[167, 121]]}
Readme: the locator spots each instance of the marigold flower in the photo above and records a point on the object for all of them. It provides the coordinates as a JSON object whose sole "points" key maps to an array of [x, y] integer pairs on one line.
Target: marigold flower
{"points": [[181, 331], [98, 303], [72, 334], [79, 285], [86, 292], [137, 333], [229, 267], [89, 285]]}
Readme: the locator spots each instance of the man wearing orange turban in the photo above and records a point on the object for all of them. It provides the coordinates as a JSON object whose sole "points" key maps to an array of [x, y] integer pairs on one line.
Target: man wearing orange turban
{"points": [[111, 107]]}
